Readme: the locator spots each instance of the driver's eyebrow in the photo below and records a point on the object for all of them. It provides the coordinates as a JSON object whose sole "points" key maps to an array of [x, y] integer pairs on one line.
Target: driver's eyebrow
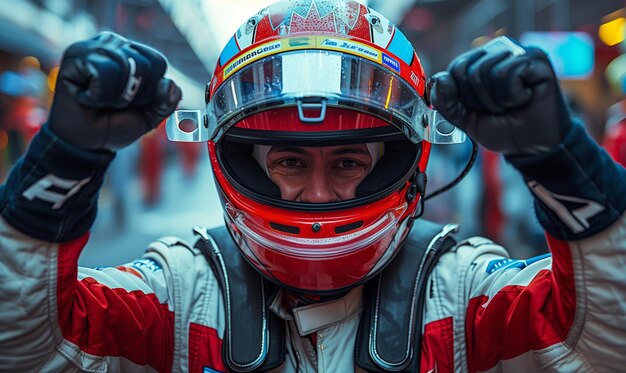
{"points": [[350, 150], [338, 151], [287, 149]]}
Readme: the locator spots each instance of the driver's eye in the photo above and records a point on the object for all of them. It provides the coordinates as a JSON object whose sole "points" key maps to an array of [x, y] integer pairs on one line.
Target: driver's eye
{"points": [[348, 163], [291, 162]]}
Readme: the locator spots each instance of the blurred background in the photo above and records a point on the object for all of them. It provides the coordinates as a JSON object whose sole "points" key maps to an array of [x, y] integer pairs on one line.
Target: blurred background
{"points": [[156, 188]]}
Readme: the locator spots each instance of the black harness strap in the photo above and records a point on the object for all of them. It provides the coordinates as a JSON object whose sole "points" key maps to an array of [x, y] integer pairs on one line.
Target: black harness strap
{"points": [[254, 339], [389, 336]]}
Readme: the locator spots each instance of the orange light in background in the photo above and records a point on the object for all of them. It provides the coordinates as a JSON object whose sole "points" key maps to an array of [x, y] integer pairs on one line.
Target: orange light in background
{"points": [[29, 62], [612, 33], [4, 139], [480, 41], [52, 78]]}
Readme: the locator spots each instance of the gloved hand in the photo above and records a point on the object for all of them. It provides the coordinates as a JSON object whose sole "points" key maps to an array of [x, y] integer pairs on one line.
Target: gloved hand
{"points": [[110, 91], [509, 103]]}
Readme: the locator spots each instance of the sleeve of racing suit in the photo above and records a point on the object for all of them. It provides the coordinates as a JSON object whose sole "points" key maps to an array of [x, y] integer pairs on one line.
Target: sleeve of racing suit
{"points": [[566, 312], [55, 317]]}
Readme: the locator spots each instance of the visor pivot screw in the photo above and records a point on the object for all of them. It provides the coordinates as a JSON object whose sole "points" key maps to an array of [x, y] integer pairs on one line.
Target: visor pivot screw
{"points": [[411, 193], [316, 227], [424, 120]]}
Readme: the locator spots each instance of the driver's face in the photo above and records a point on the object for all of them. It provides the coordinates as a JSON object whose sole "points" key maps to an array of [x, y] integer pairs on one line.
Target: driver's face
{"points": [[318, 174]]}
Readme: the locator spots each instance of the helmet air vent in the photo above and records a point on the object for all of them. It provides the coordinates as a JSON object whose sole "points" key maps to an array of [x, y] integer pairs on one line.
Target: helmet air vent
{"points": [[284, 228], [348, 227]]}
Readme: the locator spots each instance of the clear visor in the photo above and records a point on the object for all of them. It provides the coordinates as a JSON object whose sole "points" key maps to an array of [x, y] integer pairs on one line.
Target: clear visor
{"points": [[319, 78]]}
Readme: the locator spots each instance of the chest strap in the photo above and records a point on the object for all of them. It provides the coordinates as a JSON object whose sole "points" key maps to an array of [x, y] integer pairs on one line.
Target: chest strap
{"points": [[254, 337], [389, 335]]}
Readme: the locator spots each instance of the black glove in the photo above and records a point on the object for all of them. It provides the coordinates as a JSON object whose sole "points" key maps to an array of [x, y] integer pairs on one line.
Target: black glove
{"points": [[110, 91], [510, 104]]}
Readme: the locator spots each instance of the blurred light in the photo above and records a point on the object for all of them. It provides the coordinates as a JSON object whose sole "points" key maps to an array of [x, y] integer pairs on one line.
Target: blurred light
{"points": [[4, 139], [500, 32], [15, 85], [612, 32], [36, 117], [615, 74], [29, 62], [480, 41], [571, 53], [52, 78]]}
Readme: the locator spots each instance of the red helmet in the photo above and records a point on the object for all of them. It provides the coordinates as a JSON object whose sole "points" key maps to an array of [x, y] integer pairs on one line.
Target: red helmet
{"points": [[320, 73]]}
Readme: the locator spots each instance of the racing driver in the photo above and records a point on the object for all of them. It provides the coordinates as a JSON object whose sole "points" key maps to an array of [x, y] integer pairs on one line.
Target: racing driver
{"points": [[319, 121]]}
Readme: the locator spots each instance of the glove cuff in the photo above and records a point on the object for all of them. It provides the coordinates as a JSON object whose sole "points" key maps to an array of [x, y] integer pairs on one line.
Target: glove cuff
{"points": [[51, 192], [579, 190]]}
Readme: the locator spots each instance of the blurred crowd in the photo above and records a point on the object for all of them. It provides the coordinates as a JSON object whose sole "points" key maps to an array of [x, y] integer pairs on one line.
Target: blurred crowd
{"points": [[24, 103]]}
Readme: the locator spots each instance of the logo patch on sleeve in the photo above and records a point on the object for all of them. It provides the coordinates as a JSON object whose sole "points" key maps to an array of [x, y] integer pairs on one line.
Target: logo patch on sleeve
{"points": [[496, 264], [43, 189], [576, 213], [146, 265]]}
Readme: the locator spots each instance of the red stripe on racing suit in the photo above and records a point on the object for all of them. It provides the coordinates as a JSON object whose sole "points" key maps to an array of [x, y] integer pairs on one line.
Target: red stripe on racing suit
{"points": [[107, 321]]}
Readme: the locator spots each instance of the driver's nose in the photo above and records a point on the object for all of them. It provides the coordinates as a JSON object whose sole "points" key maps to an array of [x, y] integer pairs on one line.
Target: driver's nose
{"points": [[319, 188]]}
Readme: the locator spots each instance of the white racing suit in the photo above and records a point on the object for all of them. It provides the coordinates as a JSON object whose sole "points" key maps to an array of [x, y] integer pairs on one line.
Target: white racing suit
{"points": [[164, 312]]}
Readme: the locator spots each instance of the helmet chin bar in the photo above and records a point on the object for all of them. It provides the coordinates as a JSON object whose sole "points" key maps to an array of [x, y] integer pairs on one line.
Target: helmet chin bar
{"points": [[259, 264]]}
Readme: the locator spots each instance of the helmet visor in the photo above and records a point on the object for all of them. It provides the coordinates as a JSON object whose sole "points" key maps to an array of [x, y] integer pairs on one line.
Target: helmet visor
{"points": [[336, 79]]}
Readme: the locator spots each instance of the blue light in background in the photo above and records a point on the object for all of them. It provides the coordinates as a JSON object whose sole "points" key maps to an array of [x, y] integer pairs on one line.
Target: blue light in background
{"points": [[571, 53]]}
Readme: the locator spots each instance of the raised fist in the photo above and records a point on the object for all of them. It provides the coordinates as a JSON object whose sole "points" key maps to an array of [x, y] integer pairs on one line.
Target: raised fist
{"points": [[110, 91], [506, 98]]}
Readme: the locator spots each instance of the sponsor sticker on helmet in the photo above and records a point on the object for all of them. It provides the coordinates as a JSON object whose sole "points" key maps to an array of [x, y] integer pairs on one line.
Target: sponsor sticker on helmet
{"points": [[415, 79], [311, 42], [300, 42], [348, 46], [390, 62], [251, 56]]}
